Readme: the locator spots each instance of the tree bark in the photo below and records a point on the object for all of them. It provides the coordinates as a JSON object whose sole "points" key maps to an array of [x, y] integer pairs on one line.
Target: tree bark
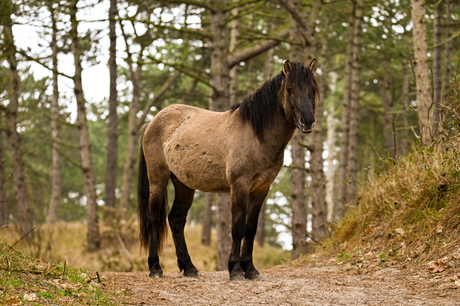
{"points": [[220, 100], [19, 179], [404, 136], [446, 79], [318, 196], [52, 216], [345, 126], [387, 103], [93, 236], [421, 69], [268, 73], [206, 219], [330, 173], [112, 126], [3, 199], [352, 161], [298, 175], [437, 71]]}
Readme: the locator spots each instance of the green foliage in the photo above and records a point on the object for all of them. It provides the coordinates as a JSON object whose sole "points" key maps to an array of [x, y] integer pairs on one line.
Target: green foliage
{"points": [[24, 279]]}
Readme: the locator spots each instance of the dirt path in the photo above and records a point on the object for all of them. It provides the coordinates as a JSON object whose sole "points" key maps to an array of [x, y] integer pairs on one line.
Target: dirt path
{"points": [[290, 285]]}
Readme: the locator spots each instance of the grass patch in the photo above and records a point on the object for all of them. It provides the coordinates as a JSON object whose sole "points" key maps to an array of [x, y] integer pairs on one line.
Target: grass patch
{"points": [[410, 210], [26, 280], [120, 248]]}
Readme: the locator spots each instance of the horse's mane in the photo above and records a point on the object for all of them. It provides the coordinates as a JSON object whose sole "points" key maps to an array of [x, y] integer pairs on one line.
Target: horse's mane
{"points": [[261, 106]]}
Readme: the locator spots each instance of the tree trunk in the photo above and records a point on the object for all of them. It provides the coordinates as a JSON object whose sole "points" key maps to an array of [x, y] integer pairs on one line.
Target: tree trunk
{"points": [[352, 161], [404, 136], [220, 100], [52, 216], [421, 69], [437, 71], [345, 126], [19, 179], [131, 146], [206, 220], [234, 36], [298, 172], [318, 196], [387, 103], [112, 126], [268, 73], [93, 236], [330, 173], [3, 200], [446, 79]]}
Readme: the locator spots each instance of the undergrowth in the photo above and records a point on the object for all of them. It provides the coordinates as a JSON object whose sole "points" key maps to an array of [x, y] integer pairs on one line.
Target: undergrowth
{"points": [[25, 280], [410, 211]]}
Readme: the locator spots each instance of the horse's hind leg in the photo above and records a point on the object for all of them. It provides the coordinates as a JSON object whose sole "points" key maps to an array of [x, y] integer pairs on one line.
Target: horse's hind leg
{"points": [[158, 203], [177, 217], [255, 203]]}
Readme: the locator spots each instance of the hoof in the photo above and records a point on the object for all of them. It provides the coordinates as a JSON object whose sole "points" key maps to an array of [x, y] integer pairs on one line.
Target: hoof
{"points": [[252, 276], [237, 277], [158, 274], [191, 273]]}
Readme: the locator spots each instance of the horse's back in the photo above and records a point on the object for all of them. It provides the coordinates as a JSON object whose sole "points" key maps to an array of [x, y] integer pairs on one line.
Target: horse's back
{"points": [[191, 143]]}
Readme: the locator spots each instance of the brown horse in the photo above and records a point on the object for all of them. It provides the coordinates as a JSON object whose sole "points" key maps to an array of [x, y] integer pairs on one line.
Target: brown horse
{"points": [[238, 151]]}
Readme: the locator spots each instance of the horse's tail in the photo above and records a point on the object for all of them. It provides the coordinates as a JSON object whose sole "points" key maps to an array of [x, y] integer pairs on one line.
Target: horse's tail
{"points": [[152, 219]]}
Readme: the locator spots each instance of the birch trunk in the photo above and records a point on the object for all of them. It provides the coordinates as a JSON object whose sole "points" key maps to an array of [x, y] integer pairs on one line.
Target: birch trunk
{"points": [[93, 236], [421, 69], [52, 216]]}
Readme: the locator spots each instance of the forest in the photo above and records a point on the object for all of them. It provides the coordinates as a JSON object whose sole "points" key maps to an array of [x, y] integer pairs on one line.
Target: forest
{"points": [[80, 78]]}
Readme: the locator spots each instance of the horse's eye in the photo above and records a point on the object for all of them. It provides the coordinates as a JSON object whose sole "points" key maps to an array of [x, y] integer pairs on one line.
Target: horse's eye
{"points": [[289, 90]]}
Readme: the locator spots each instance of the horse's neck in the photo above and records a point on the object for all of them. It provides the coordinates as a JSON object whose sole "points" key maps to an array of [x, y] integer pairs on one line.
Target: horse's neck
{"points": [[280, 134]]}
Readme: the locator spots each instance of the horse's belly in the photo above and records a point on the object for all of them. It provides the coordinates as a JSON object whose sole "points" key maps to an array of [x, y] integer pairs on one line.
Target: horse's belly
{"points": [[198, 169]]}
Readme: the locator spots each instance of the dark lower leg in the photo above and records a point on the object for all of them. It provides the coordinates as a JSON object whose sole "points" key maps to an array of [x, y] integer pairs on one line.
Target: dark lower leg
{"points": [[234, 262], [256, 201], [177, 219], [154, 261]]}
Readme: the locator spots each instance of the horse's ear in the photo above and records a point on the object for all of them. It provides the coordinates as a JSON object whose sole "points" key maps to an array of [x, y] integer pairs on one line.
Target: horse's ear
{"points": [[287, 67], [313, 65]]}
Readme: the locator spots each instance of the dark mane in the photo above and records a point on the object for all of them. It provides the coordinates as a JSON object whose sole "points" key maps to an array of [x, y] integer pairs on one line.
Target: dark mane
{"points": [[261, 106]]}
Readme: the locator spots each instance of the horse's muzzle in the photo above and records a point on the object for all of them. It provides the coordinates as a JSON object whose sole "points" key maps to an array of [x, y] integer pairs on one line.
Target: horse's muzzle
{"points": [[306, 127]]}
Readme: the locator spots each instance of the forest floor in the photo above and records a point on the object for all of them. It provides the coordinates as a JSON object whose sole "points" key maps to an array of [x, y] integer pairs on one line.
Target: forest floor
{"points": [[295, 284]]}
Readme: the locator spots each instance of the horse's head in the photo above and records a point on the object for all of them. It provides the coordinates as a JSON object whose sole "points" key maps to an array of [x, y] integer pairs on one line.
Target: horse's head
{"points": [[298, 94]]}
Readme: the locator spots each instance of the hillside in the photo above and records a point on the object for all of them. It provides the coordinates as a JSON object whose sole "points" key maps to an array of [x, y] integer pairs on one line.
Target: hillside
{"points": [[408, 214]]}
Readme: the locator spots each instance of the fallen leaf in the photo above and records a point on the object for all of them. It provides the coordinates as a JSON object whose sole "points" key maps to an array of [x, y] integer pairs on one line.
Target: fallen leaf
{"points": [[400, 231], [437, 265], [30, 297]]}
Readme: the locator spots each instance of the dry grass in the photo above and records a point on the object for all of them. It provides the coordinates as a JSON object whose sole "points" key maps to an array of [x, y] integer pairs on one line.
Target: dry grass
{"points": [[120, 251], [409, 211]]}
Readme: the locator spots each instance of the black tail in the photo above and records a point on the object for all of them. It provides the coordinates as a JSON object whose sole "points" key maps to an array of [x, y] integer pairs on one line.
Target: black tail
{"points": [[152, 218]]}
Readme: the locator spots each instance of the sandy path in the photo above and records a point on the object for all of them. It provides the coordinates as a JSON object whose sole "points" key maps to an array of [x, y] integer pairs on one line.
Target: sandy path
{"points": [[289, 285]]}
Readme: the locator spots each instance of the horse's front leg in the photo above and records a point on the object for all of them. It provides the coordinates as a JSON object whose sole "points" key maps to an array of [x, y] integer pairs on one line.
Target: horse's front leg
{"points": [[239, 195], [255, 203]]}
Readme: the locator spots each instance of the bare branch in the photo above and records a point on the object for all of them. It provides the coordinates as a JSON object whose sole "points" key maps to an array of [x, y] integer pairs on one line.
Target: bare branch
{"points": [[253, 51]]}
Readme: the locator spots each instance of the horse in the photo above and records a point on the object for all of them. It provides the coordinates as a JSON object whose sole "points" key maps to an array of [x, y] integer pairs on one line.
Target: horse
{"points": [[239, 151]]}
